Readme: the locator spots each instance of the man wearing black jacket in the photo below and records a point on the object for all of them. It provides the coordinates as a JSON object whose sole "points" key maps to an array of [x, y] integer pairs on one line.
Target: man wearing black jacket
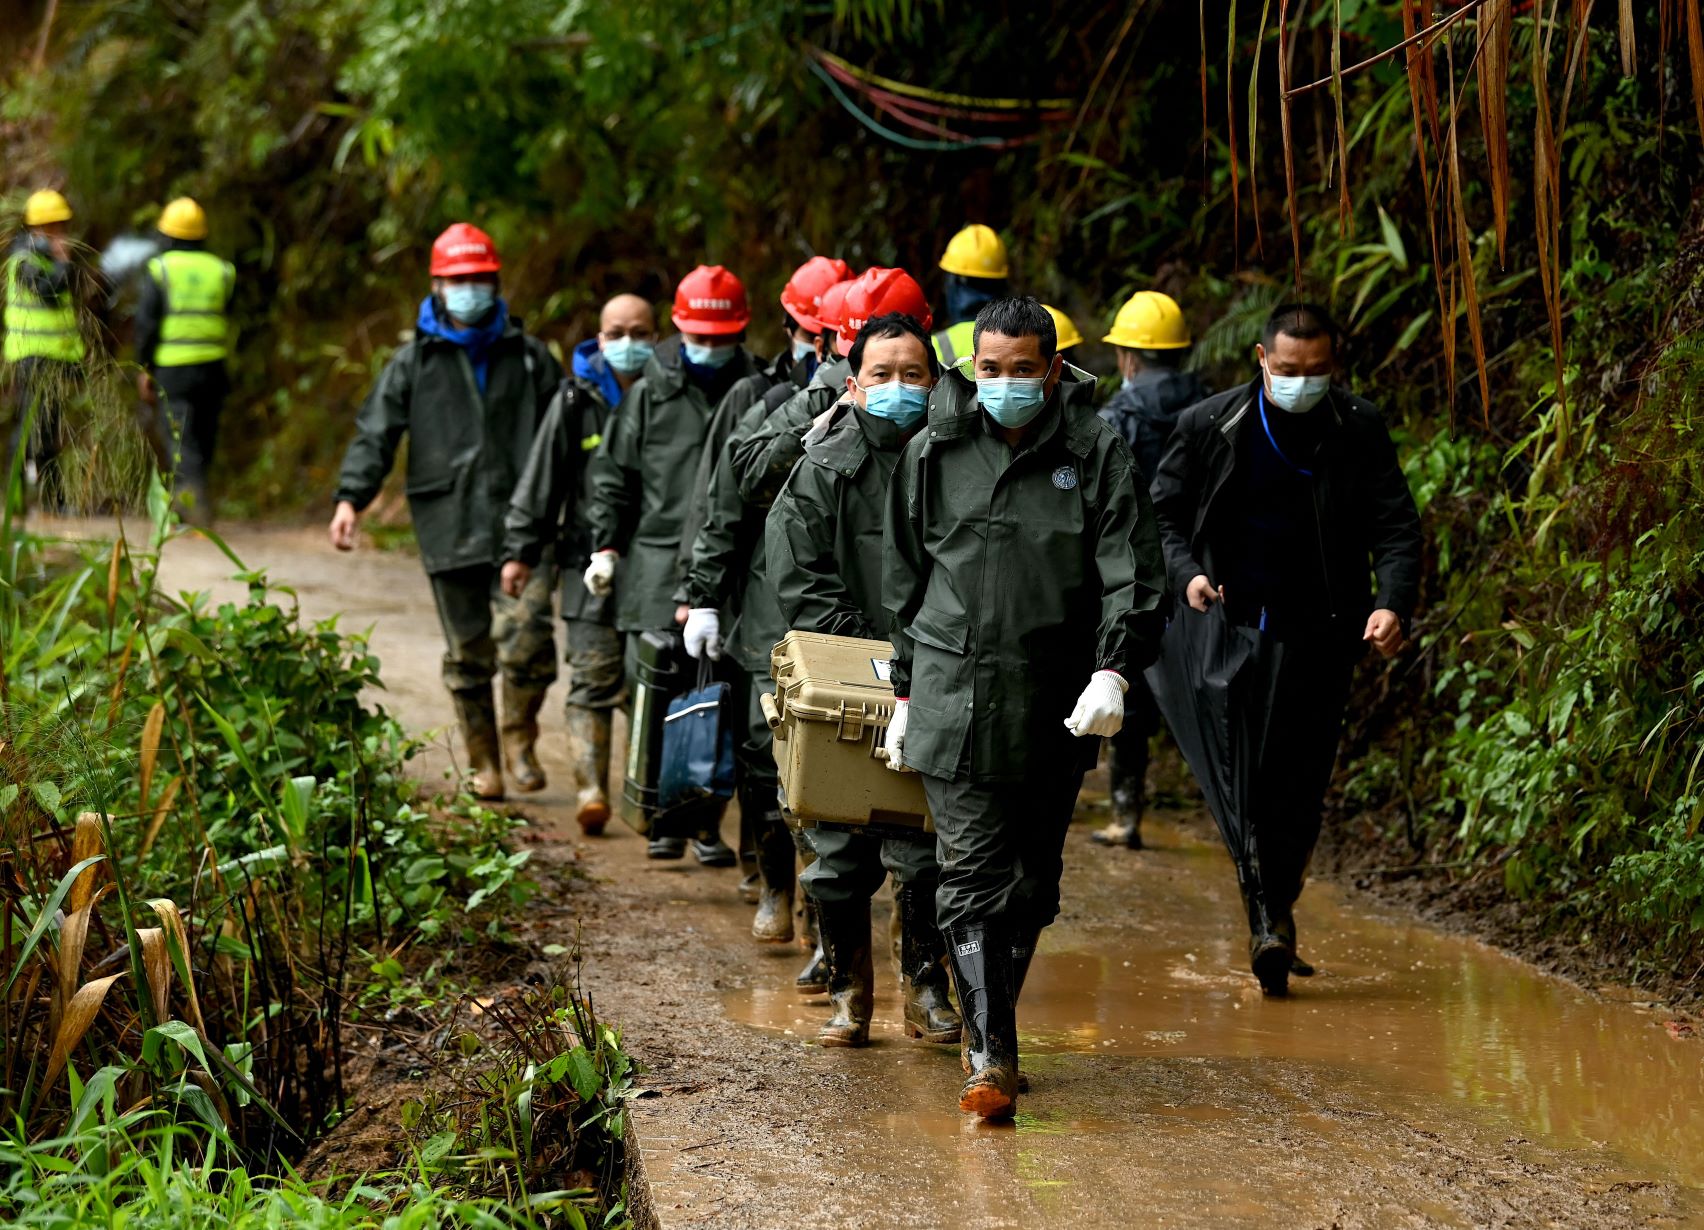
{"points": [[1277, 502]]}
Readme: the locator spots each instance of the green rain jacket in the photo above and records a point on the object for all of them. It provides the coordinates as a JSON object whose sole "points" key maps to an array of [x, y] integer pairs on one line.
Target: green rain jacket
{"points": [[762, 461], [642, 481], [547, 510], [1011, 577], [726, 568], [824, 535], [465, 449]]}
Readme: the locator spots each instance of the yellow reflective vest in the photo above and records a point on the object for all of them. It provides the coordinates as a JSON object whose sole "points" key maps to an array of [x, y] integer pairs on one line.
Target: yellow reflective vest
{"points": [[38, 328], [955, 343], [195, 288]]}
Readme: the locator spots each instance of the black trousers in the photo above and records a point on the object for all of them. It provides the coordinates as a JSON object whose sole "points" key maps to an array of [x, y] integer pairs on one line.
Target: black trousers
{"points": [[1301, 707], [47, 385], [192, 398], [1001, 846]]}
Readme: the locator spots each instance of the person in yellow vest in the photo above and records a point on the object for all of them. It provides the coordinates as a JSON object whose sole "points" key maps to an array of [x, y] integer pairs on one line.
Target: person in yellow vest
{"points": [[44, 348], [182, 339], [977, 272]]}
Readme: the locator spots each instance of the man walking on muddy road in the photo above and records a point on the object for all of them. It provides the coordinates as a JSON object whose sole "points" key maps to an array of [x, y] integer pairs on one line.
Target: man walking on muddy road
{"points": [[546, 522], [468, 390], [1277, 501], [1022, 565], [642, 476], [824, 549]]}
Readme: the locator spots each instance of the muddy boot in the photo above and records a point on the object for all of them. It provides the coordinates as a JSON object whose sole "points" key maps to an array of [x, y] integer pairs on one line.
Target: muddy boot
{"points": [[773, 922], [1023, 952], [1284, 927], [896, 939], [845, 929], [588, 748], [751, 883], [1270, 955], [929, 1014], [813, 979], [520, 735], [478, 716], [981, 956], [1125, 829]]}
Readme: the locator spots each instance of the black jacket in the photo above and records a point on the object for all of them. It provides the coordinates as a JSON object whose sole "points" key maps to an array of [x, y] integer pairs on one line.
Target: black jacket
{"points": [[1368, 527], [1146, 410], [546, 510], [466, 448]]}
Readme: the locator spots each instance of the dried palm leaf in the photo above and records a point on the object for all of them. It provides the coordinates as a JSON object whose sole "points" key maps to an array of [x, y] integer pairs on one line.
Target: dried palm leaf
{"points": [[1496, 21], [79, 1014]]}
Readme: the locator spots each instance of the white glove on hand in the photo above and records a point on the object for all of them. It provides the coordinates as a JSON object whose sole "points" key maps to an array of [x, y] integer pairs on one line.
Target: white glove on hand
{"points": [[703, 634], [894, 742], [600, 574], [1100, 709]]}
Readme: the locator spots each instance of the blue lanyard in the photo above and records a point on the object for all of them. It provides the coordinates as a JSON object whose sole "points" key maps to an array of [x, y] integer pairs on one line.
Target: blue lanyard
{"points": [[1282, 456]]}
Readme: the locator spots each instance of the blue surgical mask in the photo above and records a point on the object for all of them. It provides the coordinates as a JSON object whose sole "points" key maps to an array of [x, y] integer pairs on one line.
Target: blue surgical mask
{"points": [[708, 356], [803, 350], [1297, 394], [1012, 401], [469, 302], [899, 403], [627, 355]]}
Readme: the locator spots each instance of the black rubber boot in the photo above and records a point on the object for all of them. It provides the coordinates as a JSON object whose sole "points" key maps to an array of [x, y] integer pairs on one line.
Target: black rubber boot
{"points": [[845, 930], [1128, 769], [1284, 927], [1270, 954], [1023, 952], [929, 1013], [749, 880], [813, 979], [773, 922], [981, 954], [521, 705]]}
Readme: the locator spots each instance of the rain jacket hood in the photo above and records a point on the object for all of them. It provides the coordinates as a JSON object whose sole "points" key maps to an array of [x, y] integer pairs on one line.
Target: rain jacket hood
{"points": [[476, 340]]}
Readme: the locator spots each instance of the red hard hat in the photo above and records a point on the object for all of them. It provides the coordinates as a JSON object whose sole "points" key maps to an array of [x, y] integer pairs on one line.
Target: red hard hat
{"points": [[831, 312], [711, 300], [802, 296], [464, 248], [878, 292]]}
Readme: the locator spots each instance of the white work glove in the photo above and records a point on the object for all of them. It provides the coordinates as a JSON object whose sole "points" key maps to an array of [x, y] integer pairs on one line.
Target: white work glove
{"points": [[894, 741], [1100, 709], [703, 633], [600, 573]]}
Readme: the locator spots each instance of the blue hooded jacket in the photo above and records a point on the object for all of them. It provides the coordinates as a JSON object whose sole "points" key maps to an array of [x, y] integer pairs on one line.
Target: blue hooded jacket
{"points": [[589, 364], [476, 341]]}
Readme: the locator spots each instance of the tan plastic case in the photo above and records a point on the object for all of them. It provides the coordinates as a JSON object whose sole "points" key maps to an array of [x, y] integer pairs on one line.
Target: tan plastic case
{"points": [[829, 715]]}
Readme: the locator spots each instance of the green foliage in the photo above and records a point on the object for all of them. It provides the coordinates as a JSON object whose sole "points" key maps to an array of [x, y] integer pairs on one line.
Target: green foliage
{"points": [[539, 1118], [223, 758], [137, 1168]]}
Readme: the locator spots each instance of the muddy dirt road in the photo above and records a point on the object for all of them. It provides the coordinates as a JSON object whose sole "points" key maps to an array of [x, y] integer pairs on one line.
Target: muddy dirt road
{"points": [[1420, 1080]]}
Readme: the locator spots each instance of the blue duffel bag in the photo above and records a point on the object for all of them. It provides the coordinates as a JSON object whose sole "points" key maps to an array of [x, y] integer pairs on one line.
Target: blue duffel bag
{"points": [[698, 746]]}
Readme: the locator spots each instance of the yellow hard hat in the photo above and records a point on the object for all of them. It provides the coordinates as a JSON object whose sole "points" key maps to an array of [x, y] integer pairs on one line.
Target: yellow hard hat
{"points": [[1068, 335], [183, 219], [1150, 321], [46, 206], [975, 252]]}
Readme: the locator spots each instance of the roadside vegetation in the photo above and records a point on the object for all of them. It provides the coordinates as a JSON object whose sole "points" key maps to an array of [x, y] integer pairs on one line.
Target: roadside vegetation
{"points": [[1519, 267], [217, 871]]}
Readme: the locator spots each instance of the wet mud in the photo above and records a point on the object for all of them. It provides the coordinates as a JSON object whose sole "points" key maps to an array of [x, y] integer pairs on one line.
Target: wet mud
{"points": [[1422, 1079]]}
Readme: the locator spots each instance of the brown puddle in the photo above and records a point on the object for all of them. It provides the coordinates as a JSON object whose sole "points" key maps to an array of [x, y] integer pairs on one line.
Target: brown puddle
{"points": [[1141, 1022]]}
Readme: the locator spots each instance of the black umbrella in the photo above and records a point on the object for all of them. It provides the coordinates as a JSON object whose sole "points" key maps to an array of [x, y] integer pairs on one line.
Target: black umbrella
{"points": [[1213, 682]]}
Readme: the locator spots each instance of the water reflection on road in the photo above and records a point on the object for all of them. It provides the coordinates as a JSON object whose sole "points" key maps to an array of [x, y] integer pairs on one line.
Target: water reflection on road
{"points": [[1434, 1030]]}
